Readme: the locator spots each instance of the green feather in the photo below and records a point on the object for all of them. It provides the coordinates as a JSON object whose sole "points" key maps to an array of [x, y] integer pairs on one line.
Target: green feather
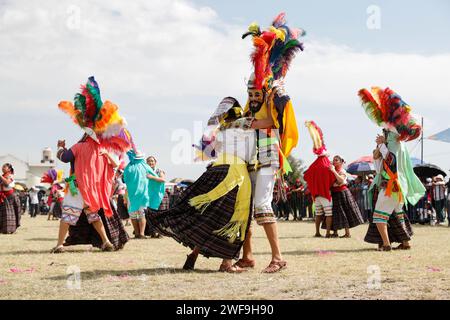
{"points": [[97, 99]]}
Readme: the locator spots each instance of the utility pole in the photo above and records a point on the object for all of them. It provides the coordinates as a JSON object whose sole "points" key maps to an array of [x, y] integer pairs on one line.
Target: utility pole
{"points": [[421, 152]]}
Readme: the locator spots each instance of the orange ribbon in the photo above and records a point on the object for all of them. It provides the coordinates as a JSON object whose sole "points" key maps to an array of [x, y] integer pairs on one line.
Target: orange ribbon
{"points": [[392, 185]]}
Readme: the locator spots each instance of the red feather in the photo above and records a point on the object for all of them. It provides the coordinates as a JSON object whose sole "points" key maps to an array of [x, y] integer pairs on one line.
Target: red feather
{"points": [[91, 107], [260, 57]]}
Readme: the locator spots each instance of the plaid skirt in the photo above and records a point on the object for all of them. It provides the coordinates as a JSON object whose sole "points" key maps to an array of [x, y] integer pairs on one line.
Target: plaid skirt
{"points": [[397, 231], [165, 204], [10, 214], [346, 212], [57, 209], [192, 229], [85, 233], [122, 208]]}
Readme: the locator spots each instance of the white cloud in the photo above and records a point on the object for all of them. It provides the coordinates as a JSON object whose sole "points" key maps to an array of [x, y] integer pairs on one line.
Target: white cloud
{"points": [[167, 63]]}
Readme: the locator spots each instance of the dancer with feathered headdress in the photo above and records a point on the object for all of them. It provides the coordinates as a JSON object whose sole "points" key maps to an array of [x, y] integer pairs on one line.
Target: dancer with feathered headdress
{"points": [[396, 181], [93, 162], [269, 111], [320, 179], [56, 197], [212, 215]]}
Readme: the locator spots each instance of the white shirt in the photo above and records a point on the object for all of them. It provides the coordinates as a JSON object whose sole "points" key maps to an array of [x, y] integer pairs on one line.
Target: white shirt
{"points": [[34, 197]]}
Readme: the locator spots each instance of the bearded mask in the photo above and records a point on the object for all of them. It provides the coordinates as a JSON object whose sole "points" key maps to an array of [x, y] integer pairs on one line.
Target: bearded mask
{"points": [[256, 99]]}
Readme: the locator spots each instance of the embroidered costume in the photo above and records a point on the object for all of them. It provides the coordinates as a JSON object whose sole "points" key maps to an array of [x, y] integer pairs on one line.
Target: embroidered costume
{"points": [[397, 183], [10, 209], [274, 50], [213, 213], [89, 186], [318, 176]]}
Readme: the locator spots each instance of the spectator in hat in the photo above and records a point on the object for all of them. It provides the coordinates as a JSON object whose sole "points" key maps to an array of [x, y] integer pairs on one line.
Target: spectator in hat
{"points": [[438, 194]]}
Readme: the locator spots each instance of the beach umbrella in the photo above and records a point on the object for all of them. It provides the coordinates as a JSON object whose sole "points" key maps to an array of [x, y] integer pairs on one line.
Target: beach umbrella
{"points": [[428, 170], [363, 159], [360, 168]]}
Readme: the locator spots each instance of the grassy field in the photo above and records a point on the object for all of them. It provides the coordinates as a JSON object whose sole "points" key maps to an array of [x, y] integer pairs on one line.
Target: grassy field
{"points": [[151, 269]]}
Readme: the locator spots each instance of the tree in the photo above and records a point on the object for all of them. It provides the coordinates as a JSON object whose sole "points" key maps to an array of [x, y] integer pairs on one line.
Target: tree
{"points": [[298, 168]]}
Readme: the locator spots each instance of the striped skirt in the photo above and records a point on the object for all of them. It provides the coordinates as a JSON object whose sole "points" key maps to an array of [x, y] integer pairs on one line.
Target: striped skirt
{"points": [[85, 233], [10, 214], [398, 231], [192, 229], [346, 212]]}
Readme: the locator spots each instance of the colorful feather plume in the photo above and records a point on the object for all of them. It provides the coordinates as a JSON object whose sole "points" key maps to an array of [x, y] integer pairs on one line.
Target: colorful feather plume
{"points": [[261, 56], [387, 109], [89, 112], [274, 50], [52, 176], [317, 137]]}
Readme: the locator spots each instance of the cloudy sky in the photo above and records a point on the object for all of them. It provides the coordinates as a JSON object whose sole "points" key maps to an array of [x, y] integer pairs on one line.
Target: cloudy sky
{"points": [[168, 63]]}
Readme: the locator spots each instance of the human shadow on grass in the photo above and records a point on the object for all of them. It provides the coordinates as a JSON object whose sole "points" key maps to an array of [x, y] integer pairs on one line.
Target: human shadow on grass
{"points": [[281, 237], [41, 239], [96, 274], [314, 252], [47, 251]]}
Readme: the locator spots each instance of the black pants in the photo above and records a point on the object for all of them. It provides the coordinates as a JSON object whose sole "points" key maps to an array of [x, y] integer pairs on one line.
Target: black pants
{"points": [[439, 207], [33, 210], [285, 209]]}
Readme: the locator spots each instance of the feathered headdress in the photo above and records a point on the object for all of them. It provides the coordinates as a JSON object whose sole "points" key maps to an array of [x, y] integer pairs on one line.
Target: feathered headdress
{"points": [[387, 109], [100, 120], [52, 176], [274, 51], [317, 137]]}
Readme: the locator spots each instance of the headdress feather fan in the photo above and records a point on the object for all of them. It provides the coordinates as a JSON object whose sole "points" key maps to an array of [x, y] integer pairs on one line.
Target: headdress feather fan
{"points": [[90, 112], [387, 109]]}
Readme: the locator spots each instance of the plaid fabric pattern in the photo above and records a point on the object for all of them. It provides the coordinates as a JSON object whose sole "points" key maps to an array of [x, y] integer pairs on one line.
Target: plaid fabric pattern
{"points": [[57, 209], [10, 214], [346, 212], [84, 233], [165, 204], [192, 229], [398, 230]]}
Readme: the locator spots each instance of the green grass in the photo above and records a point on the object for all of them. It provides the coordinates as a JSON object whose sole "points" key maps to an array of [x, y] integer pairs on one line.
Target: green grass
{"points": [[151, 269]]}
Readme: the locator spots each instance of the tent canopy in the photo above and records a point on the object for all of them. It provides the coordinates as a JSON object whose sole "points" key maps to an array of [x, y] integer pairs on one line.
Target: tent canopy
{"points": [[443, 136]]}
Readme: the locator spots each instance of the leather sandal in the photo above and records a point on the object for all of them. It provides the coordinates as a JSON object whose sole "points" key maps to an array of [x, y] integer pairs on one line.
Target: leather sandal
{"points": [[244, 263], [275, 266], [231, 268]]}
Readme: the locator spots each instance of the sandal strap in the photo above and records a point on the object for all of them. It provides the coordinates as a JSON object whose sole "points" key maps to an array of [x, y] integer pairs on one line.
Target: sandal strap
{"points": [[275, 266]]}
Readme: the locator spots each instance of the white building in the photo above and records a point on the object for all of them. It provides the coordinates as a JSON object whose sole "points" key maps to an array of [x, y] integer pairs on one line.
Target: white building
{"points": [[30, 173]]}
